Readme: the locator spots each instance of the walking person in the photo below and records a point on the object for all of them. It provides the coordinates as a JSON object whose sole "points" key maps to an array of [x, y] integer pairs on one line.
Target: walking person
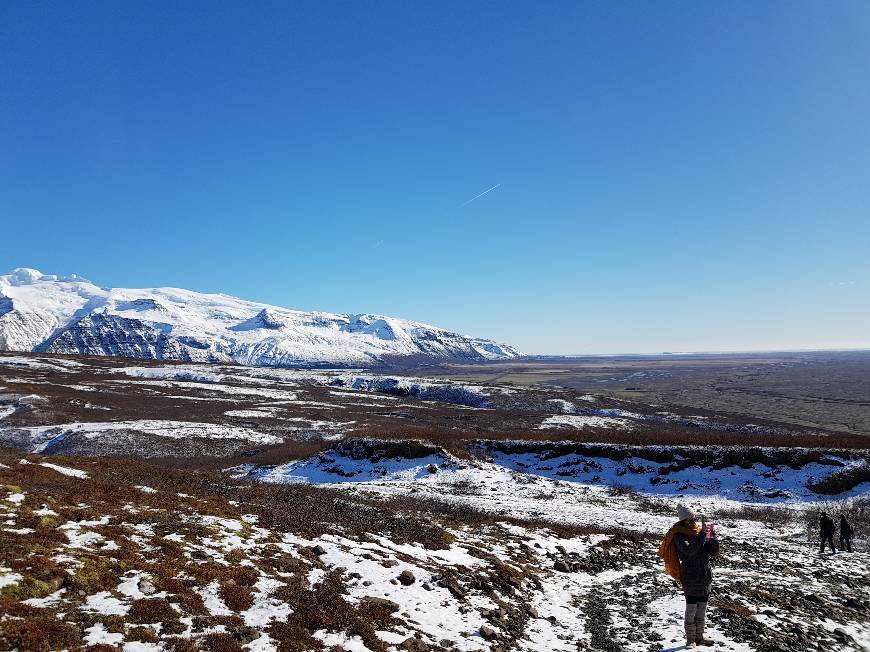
{"points": [[845, 534], [687, 550], [826, 532]]}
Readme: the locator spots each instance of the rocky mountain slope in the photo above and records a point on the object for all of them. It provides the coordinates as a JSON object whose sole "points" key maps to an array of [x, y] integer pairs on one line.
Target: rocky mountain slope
{"points": [[41, 312]]}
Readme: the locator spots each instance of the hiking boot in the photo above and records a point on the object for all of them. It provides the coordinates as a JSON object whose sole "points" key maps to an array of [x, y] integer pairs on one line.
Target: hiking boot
{"points": [[691, 645], [705, 641]]}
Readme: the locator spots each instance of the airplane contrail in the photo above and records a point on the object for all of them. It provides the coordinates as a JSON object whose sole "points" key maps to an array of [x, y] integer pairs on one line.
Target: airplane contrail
{"points": [[481, 194]]}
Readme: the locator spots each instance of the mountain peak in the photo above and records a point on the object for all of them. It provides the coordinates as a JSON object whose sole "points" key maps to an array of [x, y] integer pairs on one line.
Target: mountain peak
{"points": [[266, 318], [28, 276], [24, 276]]}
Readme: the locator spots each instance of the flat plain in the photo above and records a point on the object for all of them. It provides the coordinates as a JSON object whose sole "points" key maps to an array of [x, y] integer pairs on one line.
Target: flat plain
{"points": [[816, 389]]}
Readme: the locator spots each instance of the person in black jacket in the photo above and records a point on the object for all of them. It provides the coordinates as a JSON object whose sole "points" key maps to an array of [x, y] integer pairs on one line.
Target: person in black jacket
{"points": [[845, 534], [826, 532], [696, 574]]}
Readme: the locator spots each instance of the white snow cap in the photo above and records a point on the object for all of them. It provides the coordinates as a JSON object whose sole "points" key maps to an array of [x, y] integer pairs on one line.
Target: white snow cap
{"points": [[24, 275], [684, 513], [27, 276]]}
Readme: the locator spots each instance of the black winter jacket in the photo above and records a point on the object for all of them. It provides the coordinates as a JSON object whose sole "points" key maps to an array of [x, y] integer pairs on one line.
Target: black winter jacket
{"points": [[696, 572], [845, 528]]}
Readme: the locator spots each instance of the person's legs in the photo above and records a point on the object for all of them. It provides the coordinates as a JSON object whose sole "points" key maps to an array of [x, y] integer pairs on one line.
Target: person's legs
{"points": [[689, 620], [849, 544], [700, 621]]}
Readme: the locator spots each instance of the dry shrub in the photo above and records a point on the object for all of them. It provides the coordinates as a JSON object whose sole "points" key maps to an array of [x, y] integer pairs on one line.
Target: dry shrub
{"points": [[40, 634], [291, 637], [620, 489], [324, 607], [842, 481], [624, 537], [455, 440], [771, 516], [189, 600], [151, 610], [10, 606], [143, 634], [178, 644], [221, 643], [733, 607], [236, 597]]}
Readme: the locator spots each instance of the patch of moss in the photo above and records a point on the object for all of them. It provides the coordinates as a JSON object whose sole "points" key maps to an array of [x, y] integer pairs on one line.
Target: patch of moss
{"points": [[97, 574], [50, 521], [447, 538], [26, 588]]}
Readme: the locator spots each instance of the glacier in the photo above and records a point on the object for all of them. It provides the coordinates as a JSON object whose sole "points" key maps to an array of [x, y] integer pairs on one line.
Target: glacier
{"points": [[71, 315]]}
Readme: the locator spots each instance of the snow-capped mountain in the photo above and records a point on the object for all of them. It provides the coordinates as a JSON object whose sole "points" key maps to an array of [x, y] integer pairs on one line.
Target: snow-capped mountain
{"points": [[55, 314]]}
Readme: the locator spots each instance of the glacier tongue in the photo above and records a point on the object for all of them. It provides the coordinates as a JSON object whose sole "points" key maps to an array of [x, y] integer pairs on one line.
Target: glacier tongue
{"points": [[43, 312]]}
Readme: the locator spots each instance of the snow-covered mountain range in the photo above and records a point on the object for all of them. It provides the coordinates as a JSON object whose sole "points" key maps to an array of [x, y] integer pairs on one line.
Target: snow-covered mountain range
{"points": [[55, 314]]}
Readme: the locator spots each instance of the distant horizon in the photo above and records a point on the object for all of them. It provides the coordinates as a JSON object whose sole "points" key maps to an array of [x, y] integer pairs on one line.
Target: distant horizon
{"points": [[724, 352], [565, 177], [523, 353]]}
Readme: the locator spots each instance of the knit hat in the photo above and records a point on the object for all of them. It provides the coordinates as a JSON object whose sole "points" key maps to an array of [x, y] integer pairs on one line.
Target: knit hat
{"points": [[684, 513]]}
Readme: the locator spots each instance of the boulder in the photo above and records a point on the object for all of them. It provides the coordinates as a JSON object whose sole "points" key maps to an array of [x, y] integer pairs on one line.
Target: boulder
{"points": [[146, 587], [487, 632]]}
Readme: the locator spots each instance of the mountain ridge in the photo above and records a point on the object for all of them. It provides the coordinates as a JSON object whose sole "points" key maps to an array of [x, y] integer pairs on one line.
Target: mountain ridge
{"points": [[69, 314]]}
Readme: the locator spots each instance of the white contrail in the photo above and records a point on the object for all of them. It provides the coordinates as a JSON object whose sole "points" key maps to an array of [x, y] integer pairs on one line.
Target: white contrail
{"points": [[481, 194]]}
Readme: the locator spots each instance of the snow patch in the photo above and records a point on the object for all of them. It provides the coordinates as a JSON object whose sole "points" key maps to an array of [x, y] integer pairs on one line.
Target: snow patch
{"points": [[581, 421]]}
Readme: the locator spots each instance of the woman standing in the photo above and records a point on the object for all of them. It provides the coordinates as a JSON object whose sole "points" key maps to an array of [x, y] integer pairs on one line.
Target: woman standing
{"points": [[687, 550]]}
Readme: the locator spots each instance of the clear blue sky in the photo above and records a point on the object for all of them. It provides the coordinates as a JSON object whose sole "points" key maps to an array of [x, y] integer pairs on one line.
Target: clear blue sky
{"points": [[674, 176]]}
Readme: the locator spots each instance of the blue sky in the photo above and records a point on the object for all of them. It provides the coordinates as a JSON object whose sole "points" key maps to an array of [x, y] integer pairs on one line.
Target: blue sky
{"points": [[673, 176]]}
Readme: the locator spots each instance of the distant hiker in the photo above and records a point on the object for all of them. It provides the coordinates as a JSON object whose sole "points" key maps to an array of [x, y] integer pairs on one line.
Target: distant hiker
{"points": [[826, 532], [845, 534], [686, 550]]}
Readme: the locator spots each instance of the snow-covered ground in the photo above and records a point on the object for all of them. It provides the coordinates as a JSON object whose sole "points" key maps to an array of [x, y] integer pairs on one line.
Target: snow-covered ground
{"points": [[499, 479], [509, 581], [527, 487]]}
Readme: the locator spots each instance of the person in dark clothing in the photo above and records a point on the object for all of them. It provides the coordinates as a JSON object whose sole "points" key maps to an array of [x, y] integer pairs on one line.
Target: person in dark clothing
{"points": [[695, 549], [845, 534], [826, 532]]}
